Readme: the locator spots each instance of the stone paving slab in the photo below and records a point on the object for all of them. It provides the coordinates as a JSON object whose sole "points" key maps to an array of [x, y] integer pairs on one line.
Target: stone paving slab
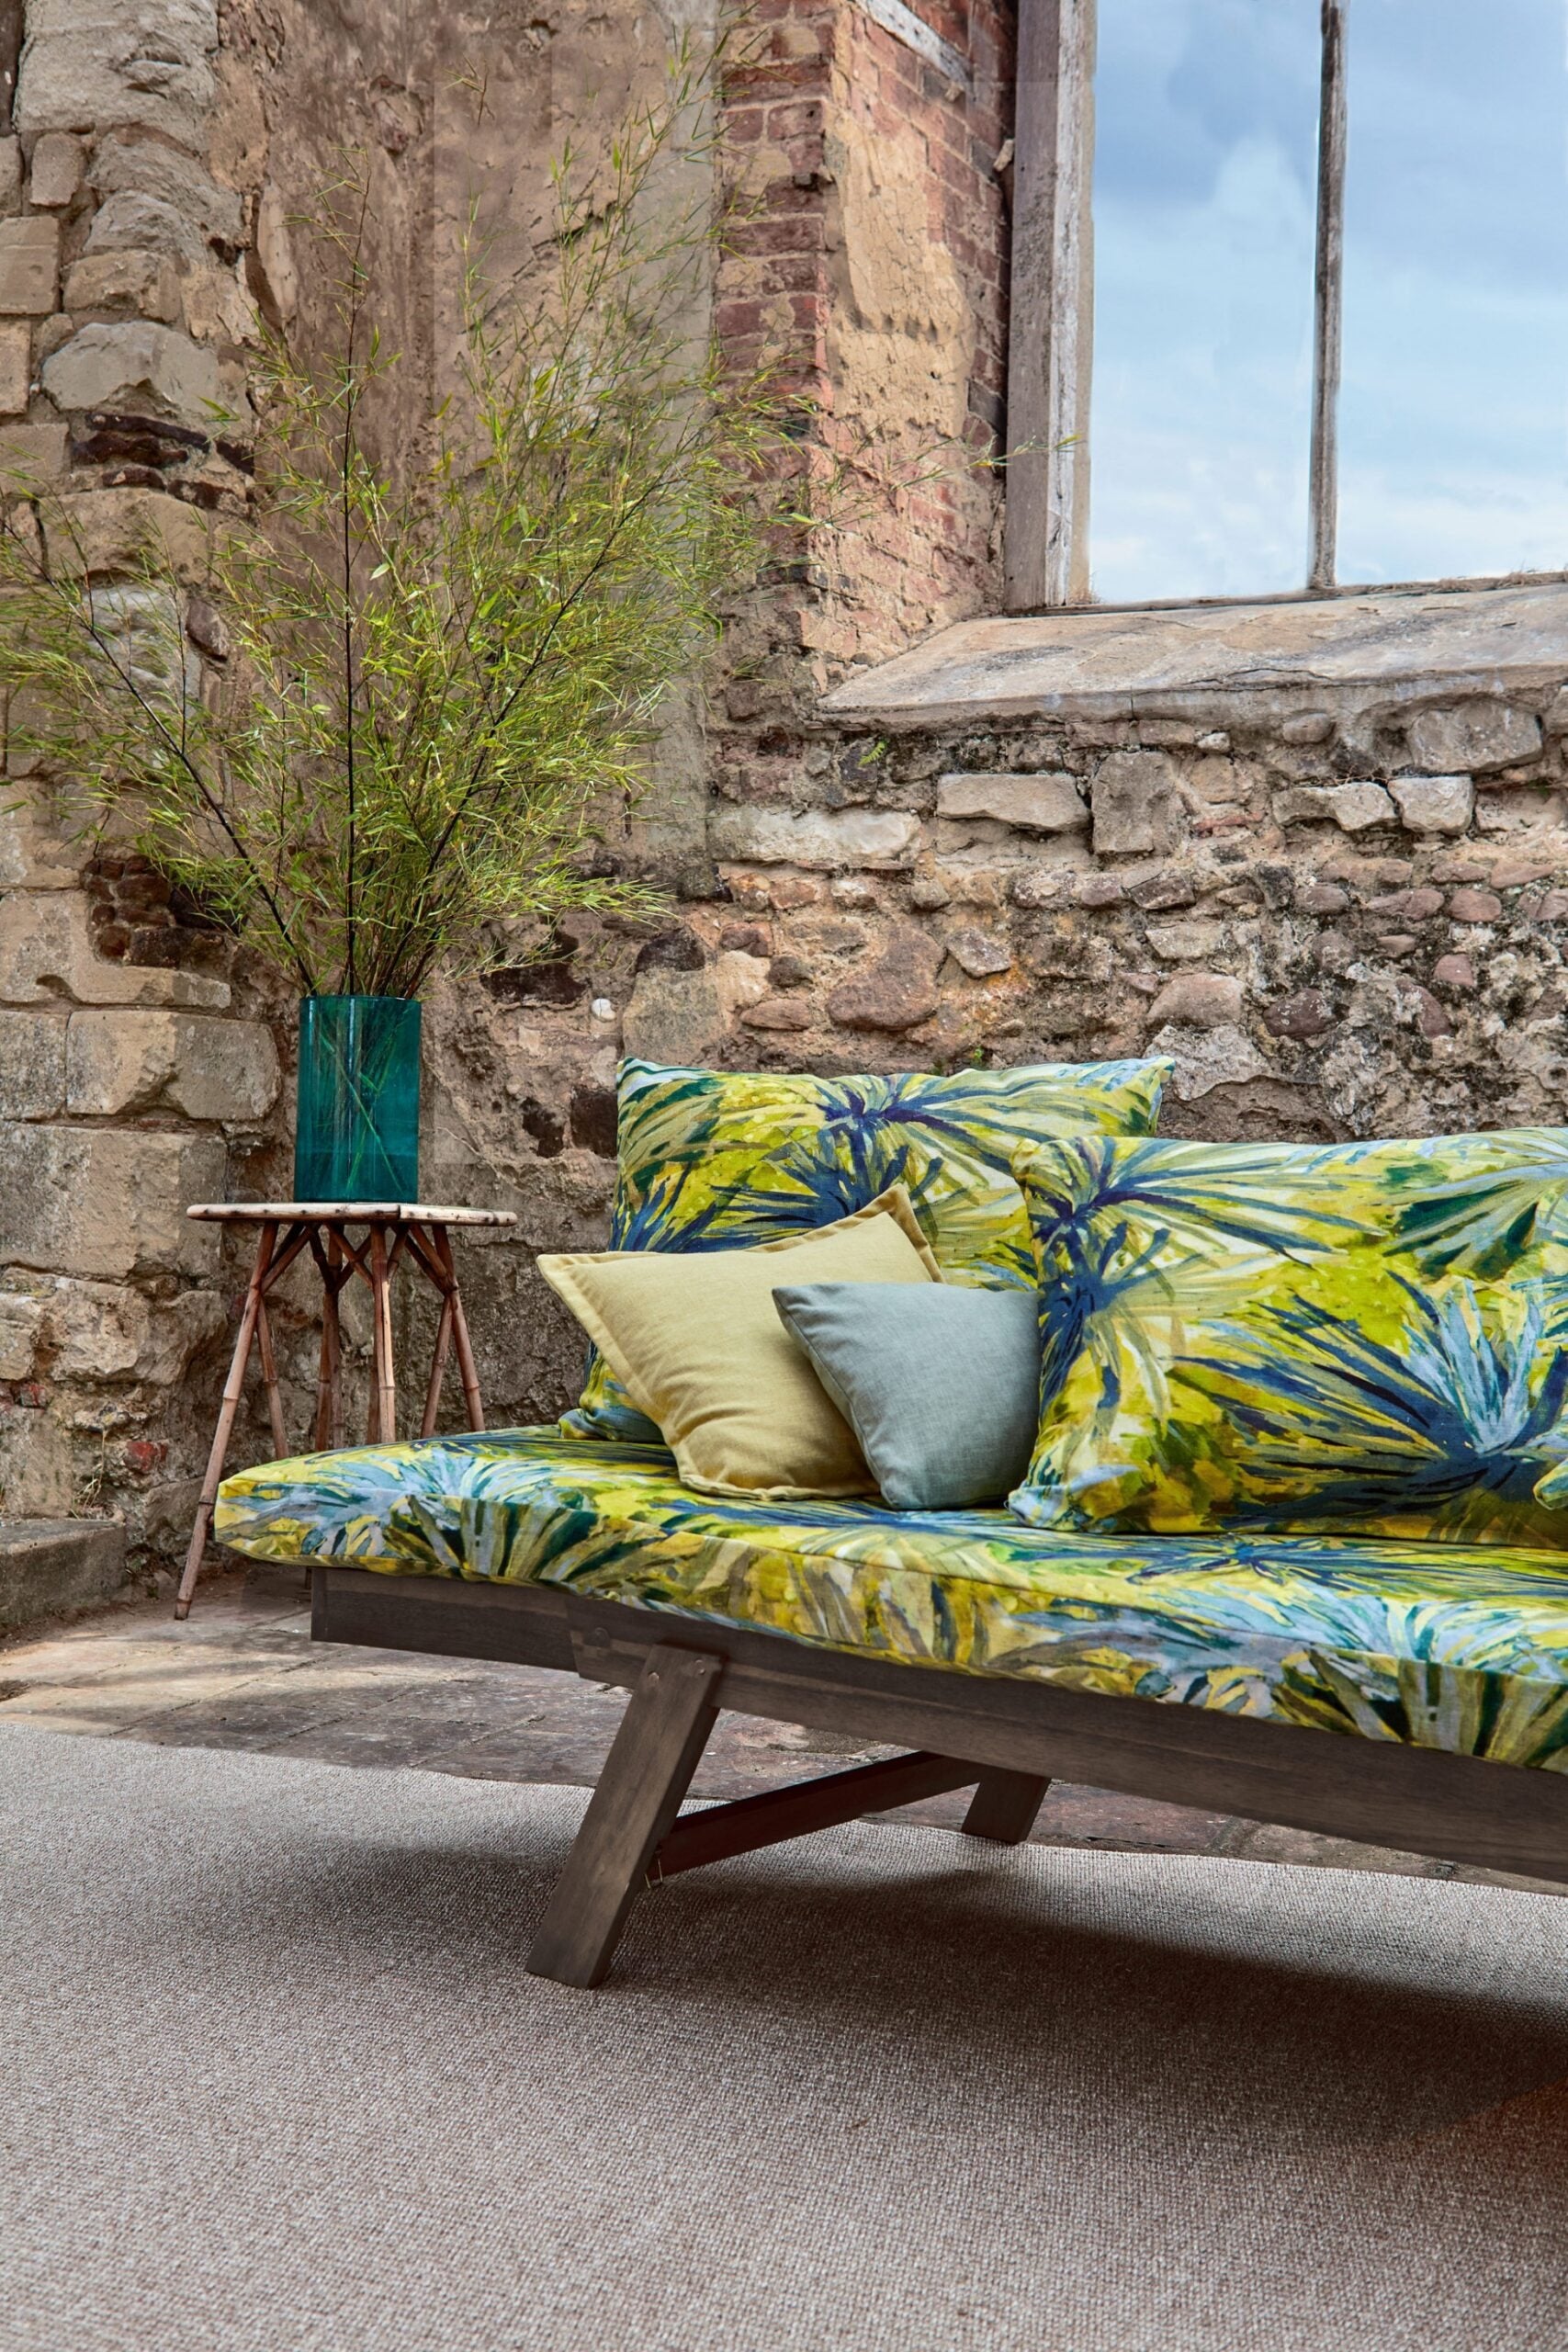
{"points": [[243, 1672]]}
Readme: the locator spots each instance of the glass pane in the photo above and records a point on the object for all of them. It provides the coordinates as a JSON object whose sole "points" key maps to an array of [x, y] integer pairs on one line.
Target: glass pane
{"points": [[1205, 177], [1453, 415]]}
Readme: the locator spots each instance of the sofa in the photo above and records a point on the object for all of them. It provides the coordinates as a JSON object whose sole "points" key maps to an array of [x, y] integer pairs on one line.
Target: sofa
{"points": [[1353, 1681]]}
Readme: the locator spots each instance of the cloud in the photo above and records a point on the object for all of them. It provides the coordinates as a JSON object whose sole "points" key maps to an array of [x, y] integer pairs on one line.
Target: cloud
{"points": [[1454, 410]]}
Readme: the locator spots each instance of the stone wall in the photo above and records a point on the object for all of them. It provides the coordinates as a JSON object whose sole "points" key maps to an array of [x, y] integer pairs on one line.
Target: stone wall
{"points": [[872, 251], [149, 189], [1317, 853], [137, 1072], [1328, 944]]}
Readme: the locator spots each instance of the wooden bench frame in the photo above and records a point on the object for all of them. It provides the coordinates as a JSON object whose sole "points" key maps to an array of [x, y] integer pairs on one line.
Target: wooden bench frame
{"points": [[1007, 1738]]}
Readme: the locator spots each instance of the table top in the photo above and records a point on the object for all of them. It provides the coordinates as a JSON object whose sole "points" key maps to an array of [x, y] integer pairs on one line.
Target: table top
{"points": [[342, 1213]]}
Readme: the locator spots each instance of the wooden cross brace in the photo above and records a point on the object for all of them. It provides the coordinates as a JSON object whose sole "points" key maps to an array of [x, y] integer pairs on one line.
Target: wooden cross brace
{"points": [[630, 1838]]}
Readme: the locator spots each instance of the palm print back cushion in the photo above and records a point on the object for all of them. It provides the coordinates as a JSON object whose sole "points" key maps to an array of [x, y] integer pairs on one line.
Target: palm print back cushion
{"points": [[1372, 1336], [709, 1160]]}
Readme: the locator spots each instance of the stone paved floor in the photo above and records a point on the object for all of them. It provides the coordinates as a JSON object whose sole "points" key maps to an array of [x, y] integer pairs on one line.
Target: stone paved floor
{"points": [[243, 1672]]}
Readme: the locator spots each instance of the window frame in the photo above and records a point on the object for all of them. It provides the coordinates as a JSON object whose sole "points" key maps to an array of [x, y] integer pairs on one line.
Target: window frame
{"points": [[1045, 547]]}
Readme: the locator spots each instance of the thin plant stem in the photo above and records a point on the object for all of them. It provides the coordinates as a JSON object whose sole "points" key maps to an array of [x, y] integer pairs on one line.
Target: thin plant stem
{"points": [[450, 651], [345, 477]]}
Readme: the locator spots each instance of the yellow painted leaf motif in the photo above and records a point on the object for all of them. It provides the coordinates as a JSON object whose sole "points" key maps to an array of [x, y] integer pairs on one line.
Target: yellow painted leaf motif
{"points": [[725, 1160], [1454, 1645], [1368, 1337]]}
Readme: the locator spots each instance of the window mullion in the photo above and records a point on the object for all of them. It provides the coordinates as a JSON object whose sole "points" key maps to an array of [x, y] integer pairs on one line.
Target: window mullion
{"points": [[1052, 308], [1327, 306]]}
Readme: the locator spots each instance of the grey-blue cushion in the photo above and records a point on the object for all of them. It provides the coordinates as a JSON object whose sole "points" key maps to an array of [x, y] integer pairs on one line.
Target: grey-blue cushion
{"points": [[941, 1384]]}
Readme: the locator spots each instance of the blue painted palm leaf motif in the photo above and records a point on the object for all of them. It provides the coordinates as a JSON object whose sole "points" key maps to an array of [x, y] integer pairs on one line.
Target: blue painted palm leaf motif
{"points": [[710, 1160], [1458, 1646], [1484, 1218], [1456, 1417], [1281, 1336]]}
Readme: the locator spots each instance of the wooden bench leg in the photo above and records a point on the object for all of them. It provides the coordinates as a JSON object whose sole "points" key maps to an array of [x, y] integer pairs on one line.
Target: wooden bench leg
{"points": [[646, 1773], [1004, 1805]]}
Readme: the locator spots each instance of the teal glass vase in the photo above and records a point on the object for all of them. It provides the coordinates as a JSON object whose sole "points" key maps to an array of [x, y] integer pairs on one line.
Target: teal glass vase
{"points": [[357, 1136]]}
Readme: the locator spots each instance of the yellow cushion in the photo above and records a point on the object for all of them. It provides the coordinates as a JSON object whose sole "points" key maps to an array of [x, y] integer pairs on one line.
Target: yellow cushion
{"points": [[697, 1343]]}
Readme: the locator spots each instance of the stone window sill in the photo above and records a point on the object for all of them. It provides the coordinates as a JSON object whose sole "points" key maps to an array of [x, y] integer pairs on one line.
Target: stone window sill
{"points": [[1346, 655]]}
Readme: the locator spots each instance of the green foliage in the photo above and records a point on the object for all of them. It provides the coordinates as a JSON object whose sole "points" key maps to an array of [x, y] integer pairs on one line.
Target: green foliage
{"points": [[446, 664]]}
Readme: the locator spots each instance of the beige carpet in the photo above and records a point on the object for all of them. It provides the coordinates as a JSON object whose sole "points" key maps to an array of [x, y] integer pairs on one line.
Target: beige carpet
{"points": [[271, 2076]]}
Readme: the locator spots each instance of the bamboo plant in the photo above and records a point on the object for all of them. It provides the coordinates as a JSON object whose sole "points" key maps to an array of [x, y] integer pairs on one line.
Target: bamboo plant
{"points": [[442, 665]]}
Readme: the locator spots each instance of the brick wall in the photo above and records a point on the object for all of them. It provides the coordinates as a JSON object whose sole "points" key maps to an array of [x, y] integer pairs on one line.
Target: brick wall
{"points": [[872, 246]]}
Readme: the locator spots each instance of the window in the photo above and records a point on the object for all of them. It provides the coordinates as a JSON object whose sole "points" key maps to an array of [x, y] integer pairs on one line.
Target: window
{"points": [[1291, 295]]}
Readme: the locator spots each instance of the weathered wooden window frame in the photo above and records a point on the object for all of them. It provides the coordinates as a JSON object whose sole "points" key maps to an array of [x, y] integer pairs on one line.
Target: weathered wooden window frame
{"points": [[1051, 344]]}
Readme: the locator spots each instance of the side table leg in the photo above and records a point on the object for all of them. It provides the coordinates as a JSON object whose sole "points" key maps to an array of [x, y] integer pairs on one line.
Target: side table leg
{"points": [[327, 1252], [226, 1413], [340, 1417], [466, 1364], [330, 1372], [329, 1379], [437, 1366], [382, 1298], [269, 1375]]}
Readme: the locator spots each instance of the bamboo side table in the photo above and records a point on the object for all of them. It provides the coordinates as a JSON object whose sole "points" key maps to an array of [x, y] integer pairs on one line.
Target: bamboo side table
{"points": [[394, 1230]]}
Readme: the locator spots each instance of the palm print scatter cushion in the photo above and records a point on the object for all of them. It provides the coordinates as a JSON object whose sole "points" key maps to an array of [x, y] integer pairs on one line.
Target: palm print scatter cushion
{"points": [[709, 1160], [1368, 1337]]}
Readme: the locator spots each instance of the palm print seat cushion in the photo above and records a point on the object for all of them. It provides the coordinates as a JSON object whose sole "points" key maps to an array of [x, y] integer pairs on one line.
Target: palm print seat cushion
{"points": [[709, 1160], [1368, 1338], [1440, 1646]]}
